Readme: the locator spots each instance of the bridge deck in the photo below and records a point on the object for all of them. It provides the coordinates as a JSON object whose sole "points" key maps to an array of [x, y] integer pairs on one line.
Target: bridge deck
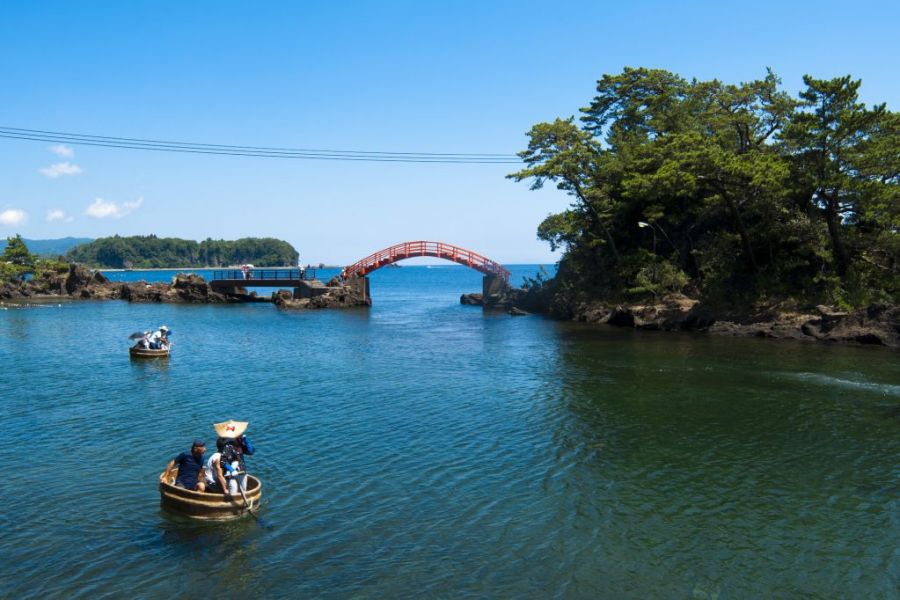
{"points": [[261, 277], [425, 248]]}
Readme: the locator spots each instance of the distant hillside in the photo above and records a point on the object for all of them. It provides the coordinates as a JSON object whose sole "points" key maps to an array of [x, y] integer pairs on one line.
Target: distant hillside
{"points": [[152, 252], [51, 248]]}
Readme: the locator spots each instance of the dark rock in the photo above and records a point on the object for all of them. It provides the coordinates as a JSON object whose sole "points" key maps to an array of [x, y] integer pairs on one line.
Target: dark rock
{"points": [[79, 277], [669, 314], [471, 299], [141, 291], [876, 325], [187, 280], [831, 312], [518, 312], [333, 297], [281, 297], [591, 312], [620, 316], [193, 289]]}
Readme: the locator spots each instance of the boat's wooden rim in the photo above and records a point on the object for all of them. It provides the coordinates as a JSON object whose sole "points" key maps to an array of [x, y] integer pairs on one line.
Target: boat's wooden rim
{"points": [[148, 353], [207, 506], [167, 482]]}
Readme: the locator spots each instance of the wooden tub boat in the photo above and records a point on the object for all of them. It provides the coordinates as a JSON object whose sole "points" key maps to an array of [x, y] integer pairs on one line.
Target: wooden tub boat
{"points": [[204, 506], [148, 353]]}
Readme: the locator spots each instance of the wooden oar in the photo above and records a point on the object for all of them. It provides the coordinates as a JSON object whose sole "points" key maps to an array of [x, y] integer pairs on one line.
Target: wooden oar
{"points": [[247, 505]]}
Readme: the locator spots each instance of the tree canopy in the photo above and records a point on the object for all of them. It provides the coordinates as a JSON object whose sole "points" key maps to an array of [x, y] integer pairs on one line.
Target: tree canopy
{"points": [[736, 193], [16, 261], [152, 252]]}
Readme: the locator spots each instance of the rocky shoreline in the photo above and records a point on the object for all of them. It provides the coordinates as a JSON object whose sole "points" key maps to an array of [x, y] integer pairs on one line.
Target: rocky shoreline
{"points": [[82, 283], [85, 284], [877, 325]]}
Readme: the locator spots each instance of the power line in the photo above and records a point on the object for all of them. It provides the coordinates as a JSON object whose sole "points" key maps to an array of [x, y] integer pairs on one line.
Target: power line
{"points": [[38, 135]]}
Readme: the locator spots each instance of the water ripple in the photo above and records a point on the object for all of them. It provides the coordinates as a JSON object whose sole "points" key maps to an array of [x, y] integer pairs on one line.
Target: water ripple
{"points": [[427, 448]]}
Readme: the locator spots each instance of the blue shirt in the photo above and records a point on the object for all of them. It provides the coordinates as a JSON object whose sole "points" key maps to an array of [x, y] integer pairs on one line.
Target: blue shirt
{"points": [[188, 469]]}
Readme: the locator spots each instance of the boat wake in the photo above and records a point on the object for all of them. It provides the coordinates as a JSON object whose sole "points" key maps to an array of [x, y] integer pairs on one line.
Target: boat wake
{"points": [[884, 389]]}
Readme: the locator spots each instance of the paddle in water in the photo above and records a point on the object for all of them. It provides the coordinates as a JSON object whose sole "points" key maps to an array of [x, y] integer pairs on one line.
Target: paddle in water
{"points": [[248, 507]]}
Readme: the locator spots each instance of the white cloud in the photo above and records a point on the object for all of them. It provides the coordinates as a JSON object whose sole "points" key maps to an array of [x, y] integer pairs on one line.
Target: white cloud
{"points": [[55, 214], [12, 217], [62, 150], [101, 209], [59, 169]]}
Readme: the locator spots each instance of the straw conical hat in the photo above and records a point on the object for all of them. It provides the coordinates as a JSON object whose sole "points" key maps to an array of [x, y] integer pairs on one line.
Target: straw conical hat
{"points": [[231, 429]]}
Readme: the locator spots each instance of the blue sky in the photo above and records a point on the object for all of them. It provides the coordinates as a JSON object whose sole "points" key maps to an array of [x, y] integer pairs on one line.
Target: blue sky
{"points": [[468, 77]]}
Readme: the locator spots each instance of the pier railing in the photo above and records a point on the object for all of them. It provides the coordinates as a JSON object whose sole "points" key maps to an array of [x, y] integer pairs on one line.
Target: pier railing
{"points": [[264, 275]]}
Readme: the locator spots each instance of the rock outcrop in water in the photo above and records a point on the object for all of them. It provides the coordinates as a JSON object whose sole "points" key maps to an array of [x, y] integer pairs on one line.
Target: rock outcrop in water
{"points": [[184, 289], [83, 283], [877, 325], [515, 301], [334, 295]]}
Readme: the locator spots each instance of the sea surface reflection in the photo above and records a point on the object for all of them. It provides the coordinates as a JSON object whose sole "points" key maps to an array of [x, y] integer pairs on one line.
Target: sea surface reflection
{"points": [[426, 448]]}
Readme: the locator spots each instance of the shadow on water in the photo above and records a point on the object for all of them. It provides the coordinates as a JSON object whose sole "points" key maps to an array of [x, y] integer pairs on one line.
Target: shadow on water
{"points": [[696, 442], [234, 545], [143, 368]]}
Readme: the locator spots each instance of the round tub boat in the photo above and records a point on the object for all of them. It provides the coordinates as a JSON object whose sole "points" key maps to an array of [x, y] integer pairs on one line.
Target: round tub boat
{"points": [[148, 353], [204, 506]]}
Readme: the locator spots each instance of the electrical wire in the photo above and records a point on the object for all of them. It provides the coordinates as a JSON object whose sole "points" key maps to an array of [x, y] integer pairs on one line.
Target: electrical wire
{"points": [[38, 135]]}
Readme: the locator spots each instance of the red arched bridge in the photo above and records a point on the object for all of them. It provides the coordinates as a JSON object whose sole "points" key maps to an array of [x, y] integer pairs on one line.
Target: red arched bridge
{"points": [[306, 285], [422, 248]]}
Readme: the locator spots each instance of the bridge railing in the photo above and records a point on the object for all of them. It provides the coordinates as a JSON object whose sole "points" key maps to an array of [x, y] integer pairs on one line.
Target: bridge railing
{"points": [[424, 248], [264, 274]]}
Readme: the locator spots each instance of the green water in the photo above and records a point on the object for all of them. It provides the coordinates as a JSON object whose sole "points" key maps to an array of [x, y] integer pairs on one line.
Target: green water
{"points": [[423, 448]]}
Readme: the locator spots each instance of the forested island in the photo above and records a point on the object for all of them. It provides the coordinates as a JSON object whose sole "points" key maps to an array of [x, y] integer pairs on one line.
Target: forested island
{"points": [[741, 199], [154, 252]]}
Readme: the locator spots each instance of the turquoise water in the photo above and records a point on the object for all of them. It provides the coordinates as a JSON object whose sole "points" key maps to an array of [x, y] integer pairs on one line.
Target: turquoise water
{"points": [[424, 448]]}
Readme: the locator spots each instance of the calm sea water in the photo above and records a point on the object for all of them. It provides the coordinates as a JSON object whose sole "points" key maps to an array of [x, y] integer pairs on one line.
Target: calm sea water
{"points": [[422, 448]]}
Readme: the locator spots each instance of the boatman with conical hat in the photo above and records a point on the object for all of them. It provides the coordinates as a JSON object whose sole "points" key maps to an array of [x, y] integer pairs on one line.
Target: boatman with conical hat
{"points": [[225, 471]]}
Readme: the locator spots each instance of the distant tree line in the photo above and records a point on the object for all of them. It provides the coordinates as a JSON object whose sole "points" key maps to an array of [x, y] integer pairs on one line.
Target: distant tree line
{"points": [[152, 252], [50, 248], [737, 194]]}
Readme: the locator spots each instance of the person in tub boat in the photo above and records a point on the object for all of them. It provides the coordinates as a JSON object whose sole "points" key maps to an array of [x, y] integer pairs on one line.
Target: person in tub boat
{"points": [[190, 465], [225, 471], [159, 340]]}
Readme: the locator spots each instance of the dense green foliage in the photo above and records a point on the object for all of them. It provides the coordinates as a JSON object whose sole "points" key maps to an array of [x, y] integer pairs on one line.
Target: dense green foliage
{"points": [[735, 193], [150, 251], [16, 261]]}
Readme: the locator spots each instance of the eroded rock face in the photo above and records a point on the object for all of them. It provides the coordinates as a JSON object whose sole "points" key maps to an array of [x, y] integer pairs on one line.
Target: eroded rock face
{"points": [[671, 313], [334, 297], [471, 300], [877, 325], [193, 289], [83, 283], [184, 289]]}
